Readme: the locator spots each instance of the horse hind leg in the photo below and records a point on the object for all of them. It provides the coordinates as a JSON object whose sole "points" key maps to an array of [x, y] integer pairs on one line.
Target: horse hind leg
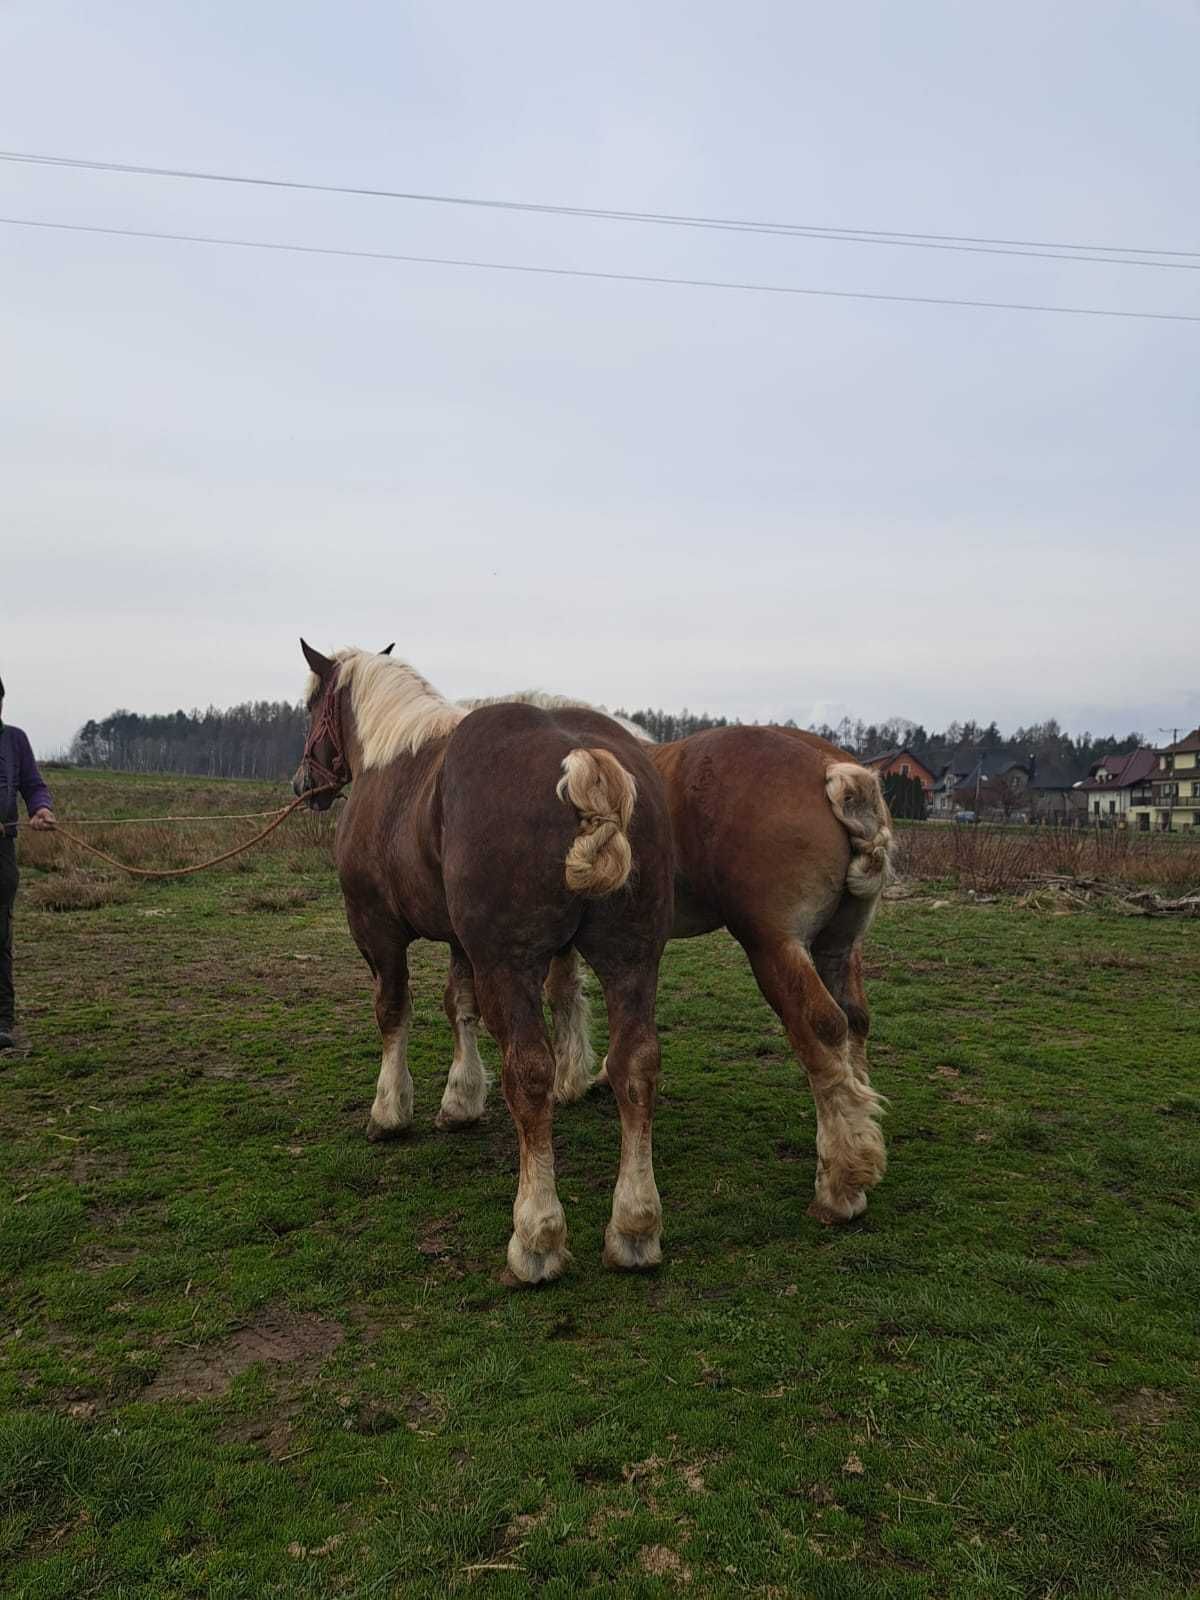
{"points": [[574, 1057], [851, 1156], [511, 1006], [466, 1089], [633, 1237], [392, 1110], [840, 970]]}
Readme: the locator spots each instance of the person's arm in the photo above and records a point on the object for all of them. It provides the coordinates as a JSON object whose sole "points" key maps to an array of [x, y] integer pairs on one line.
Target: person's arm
{"points": [[37, 797]]}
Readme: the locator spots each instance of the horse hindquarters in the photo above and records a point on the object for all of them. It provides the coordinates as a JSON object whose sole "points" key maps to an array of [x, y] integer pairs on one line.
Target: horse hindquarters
{"points": [[801, 917], [543, 818]]}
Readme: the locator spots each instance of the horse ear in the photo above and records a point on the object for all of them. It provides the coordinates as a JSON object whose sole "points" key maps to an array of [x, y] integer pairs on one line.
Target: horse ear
{"points": [[320, 664], [387, 649]]}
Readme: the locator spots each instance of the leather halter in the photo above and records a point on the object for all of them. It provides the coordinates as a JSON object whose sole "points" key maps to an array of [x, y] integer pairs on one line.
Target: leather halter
{"points": [[328, 724]]}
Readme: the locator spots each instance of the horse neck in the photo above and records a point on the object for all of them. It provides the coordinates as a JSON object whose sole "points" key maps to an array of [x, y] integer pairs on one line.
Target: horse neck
{"points": [[418, 707], [351, 744]]}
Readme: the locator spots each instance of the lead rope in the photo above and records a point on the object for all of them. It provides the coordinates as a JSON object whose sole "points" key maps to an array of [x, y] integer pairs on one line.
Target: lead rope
{"points": [[199, 866]]}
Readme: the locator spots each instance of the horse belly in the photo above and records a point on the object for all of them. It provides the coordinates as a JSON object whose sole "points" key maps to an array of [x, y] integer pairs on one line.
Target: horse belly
{"points": [[693, 914]]}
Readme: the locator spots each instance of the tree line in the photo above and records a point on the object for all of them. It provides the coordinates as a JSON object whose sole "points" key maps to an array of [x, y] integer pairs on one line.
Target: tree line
{"points": [[1047, 741], [258, 739], [264, 738]]}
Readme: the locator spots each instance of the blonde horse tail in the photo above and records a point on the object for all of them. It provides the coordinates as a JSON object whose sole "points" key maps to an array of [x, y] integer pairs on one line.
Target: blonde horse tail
{"points": [[856, 796], [598, 786]]}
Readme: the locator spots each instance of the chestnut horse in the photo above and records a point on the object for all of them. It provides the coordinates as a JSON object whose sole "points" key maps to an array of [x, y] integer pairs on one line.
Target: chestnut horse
{"points": [[506, 833], [785, 840]]}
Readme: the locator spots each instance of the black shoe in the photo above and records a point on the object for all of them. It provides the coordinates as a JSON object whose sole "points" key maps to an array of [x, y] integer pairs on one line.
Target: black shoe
{"points": [[7, 1042]]}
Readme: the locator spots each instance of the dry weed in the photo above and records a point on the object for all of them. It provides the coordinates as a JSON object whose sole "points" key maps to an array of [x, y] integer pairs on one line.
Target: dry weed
{"points": [[75, 890], [1004, 860]]}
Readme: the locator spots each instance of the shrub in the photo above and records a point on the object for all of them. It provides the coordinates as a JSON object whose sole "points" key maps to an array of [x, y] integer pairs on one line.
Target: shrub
{"points": [[75, 889], [286, 899], [1001, 860]]}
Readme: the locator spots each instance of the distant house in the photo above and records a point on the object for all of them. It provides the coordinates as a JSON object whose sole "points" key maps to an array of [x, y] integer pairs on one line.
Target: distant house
{"points": [[903, 764], [991, 783], [1109, 790], [1168, 798], [1054, 792], [1004, 785]]}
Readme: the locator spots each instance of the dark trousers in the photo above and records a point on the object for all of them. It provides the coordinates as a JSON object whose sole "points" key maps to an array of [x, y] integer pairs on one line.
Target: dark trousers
{"points": [[8, 893]]}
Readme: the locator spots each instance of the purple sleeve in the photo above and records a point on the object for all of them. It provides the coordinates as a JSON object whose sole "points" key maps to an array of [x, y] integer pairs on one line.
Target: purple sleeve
{"points": [[29, 780]]}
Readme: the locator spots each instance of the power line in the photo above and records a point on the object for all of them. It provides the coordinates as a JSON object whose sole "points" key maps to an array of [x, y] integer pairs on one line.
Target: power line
{"points": [[582, 272], [1110, 255]]}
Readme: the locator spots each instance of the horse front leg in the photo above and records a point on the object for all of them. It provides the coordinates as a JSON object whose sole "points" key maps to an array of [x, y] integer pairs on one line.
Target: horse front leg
{"points": [[392, 1110]]}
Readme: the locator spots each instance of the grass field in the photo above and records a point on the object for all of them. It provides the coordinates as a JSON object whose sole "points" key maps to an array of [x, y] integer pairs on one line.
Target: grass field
{"points": [[245, 1353]]}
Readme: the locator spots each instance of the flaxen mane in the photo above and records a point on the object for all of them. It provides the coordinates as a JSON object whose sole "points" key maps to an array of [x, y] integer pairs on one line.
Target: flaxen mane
{"points": [[396, 710]]}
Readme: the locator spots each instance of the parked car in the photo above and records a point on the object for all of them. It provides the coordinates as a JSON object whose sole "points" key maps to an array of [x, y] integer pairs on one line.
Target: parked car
{"points": [[965, 816]]}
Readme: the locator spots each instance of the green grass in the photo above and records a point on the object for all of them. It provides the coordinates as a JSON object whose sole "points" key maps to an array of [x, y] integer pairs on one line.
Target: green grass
{"points": [[243, 1353]]}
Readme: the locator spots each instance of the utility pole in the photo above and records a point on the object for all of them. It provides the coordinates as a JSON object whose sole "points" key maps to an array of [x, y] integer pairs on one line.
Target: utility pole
{"points": [[1170, 798]]}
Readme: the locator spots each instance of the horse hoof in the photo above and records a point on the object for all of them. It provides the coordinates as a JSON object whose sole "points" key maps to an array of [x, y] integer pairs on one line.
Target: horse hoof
{"points": [[833, 1209], [631, 1252], [448, 1121], [376, 1131], [529, 1267]]}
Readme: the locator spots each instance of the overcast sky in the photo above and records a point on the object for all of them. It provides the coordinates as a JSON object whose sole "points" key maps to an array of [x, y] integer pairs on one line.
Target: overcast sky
{"points": [[755, 504]]}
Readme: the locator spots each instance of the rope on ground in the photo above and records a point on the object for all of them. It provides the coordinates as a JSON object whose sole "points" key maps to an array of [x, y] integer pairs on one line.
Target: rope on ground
{"points": [[199, 866]]}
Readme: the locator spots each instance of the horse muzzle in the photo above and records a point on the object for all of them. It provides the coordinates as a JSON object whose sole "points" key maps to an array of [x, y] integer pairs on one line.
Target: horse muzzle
{"points": [[320, 795]]}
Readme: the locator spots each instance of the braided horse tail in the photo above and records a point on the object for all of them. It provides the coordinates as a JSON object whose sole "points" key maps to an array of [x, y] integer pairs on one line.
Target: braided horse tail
{"points": [[598, 786], [856, 797]]}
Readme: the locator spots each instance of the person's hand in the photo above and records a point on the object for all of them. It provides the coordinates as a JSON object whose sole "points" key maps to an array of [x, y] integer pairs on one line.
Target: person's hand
{"points": [[42, 820]]}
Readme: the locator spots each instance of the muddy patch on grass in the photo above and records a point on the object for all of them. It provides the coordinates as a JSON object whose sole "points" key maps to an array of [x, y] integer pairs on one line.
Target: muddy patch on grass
{"points": [[252, 1077], [1144, 1408], [90, 1165], [274, 1437], [437, 1240], [100, 1258], [300, 1342], [107, 1218], [423, 1413], [598, 1522], [371, 1323], [1074, 1260], [435, 1237], [661, 1562]]}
